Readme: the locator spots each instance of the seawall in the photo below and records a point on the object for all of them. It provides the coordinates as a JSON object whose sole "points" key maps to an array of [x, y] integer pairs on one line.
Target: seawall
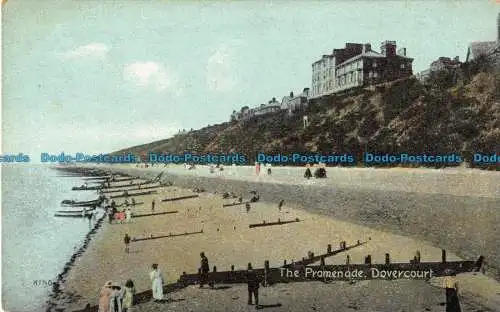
{"points": [[466, 225]]}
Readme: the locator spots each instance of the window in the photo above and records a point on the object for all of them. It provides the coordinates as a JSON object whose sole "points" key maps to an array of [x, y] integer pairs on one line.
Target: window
{"points": [[374, 63], [402, 66]]}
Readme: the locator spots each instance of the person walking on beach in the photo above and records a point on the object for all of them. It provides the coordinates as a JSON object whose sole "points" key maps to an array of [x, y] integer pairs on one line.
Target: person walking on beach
{"points": [[153, 206], [105, 297], [157, 283], [110, 216], [126, 240], [280, 205], [128, 296], [133, 201], [257, 168], [450, 285], [253, 285], [205, 269]]}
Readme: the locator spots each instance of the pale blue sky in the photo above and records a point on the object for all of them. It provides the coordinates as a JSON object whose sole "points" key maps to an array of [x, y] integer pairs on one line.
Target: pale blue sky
{"points": [[96, 76]]}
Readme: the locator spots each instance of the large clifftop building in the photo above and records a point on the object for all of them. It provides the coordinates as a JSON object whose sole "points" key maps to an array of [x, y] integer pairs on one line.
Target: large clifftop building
{"points": [[357, 65]]}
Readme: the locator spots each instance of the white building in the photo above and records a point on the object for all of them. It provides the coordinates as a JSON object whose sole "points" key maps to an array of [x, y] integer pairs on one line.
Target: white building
{"points": [[293, 103], [323, 77]]}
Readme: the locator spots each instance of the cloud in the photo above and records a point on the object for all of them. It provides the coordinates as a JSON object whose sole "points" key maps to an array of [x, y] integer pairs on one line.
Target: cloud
{"points": [[95, 49], [218, 70], [74, 138], [151, 74]]}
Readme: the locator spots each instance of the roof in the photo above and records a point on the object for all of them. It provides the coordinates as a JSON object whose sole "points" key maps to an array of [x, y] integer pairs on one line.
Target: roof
{"points": [[370, 54], [366, 54], [477, 49], [324, 57]]}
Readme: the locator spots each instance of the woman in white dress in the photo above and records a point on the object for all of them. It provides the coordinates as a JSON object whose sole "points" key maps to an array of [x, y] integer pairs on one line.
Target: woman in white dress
{"points": [[157, 283]]}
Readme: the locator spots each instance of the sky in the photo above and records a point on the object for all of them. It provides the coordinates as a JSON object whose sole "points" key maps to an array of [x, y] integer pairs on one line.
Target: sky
{"points": [[97, 76]]}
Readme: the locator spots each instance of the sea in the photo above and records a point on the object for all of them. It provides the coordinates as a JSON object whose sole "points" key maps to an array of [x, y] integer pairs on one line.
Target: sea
{"points": [[35, 244]]}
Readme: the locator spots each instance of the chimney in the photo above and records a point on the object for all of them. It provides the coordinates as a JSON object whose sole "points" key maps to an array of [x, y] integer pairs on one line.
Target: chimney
{"points": [[402, 52], [388, 48], [367, 47]]}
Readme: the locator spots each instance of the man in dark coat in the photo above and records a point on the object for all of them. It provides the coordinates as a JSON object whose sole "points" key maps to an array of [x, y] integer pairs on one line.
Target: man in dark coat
{"points": [[253, 285], [205, 270]]}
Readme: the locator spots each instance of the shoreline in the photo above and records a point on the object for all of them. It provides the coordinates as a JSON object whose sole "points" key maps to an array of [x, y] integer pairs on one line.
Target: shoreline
{"points": [[95, 246], [57, 289]]}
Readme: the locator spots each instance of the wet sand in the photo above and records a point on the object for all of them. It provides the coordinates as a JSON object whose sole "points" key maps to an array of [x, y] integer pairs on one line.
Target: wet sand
{"points": [[227, 241]]}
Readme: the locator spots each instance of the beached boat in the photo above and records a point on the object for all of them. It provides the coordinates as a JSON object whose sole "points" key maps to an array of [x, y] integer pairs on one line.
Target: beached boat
{"points": [[73, 203], [109, 178], [72, 215], [101, 187], [74, 211], [127, 188]]}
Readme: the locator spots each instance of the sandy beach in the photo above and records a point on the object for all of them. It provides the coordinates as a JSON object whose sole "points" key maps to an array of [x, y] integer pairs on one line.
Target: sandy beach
{"points": [[227, 240]]}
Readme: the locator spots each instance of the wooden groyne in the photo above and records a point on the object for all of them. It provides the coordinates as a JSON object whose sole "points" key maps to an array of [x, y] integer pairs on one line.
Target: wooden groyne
{"points": [[279, 222], [165, 236], [367, 271], [329, 253], [134, 194], [154, 214], [235, 204], [179, 198]]}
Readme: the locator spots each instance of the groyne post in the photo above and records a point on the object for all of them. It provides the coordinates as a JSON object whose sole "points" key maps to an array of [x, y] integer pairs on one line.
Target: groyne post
{"points": [[329, 248], [368, 260], [266, 272], [443, 256], [387, 259]]}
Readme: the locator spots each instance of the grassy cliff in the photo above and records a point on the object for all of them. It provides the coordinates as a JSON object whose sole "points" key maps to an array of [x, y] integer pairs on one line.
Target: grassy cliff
{"points": [[448, 115]]}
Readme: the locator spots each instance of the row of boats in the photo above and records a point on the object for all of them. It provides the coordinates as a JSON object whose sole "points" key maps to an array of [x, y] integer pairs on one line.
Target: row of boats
{"points": [[103, 179]]}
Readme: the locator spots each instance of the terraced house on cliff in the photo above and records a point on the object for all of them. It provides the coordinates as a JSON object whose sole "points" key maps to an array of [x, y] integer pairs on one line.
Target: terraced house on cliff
{"points": [[357, 65]]}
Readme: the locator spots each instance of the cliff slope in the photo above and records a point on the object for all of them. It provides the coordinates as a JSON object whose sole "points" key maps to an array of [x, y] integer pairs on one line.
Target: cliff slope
{"points": [[444, 116]]}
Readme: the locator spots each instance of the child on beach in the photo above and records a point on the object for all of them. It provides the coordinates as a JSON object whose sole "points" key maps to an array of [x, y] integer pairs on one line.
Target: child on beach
{"points": [[128, 297], [128, 215]]}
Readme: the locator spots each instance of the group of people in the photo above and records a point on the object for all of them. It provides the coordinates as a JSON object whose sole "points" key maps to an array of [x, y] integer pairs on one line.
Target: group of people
{"points": [[123, 216], [115, 298], [258, 167]]}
